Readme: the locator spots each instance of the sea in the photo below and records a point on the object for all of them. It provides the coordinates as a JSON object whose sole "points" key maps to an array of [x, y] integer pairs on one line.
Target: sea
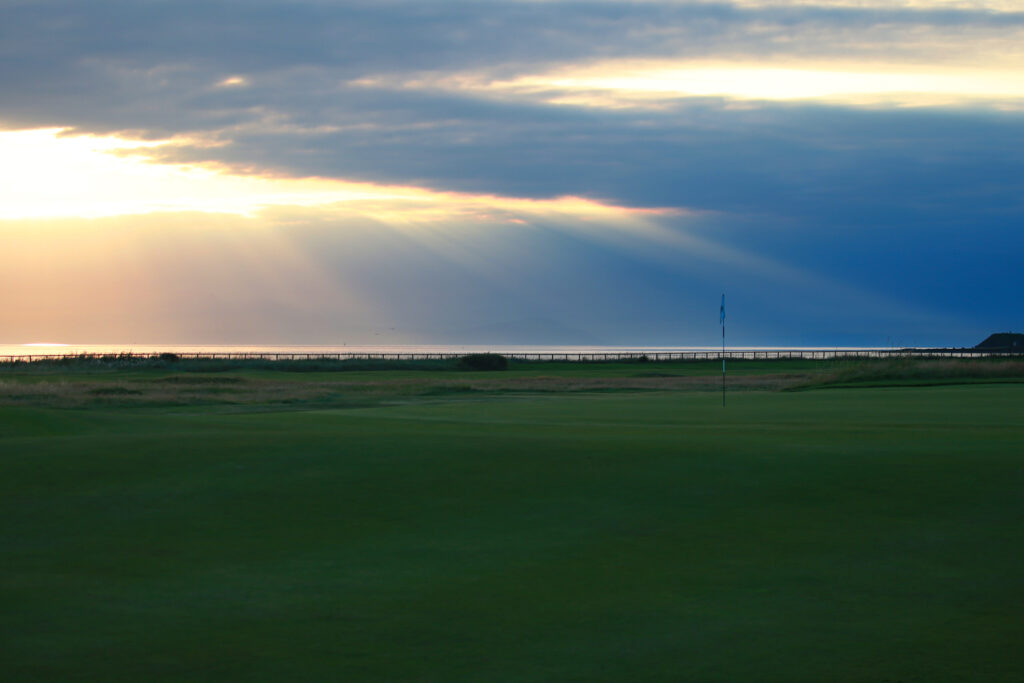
{"points": [[54, 349]]}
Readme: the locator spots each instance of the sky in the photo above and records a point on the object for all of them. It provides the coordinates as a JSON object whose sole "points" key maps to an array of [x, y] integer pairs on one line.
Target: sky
{"points": [[847, 172]]}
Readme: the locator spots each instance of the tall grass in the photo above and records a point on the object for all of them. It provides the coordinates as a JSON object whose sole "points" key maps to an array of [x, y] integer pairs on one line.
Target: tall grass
{"points": [[170, 361], [918, 371]]}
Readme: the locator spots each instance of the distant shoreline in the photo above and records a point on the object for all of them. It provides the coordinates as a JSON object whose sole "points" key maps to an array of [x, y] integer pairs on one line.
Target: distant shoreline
{"points": [[564, 354]]}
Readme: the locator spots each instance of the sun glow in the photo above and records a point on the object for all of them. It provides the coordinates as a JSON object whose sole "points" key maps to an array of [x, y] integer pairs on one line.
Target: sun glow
{"points": [[45, 173], [756, 82], [652, 83]]}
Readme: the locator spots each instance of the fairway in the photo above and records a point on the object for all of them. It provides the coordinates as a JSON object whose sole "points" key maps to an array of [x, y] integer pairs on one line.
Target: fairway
{"points": [[867, 534]]}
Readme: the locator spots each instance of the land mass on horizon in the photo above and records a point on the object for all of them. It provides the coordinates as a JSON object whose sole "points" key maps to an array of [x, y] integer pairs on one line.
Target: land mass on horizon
{"points": [[1003, 341]]}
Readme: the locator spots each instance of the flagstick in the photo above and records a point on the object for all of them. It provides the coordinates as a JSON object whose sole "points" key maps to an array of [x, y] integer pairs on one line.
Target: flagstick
{"points": [[721, 319]]}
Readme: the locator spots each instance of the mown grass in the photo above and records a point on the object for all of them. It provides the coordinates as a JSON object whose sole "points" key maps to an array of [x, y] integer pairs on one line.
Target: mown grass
{"points": [[553, 521], [868, 535]]}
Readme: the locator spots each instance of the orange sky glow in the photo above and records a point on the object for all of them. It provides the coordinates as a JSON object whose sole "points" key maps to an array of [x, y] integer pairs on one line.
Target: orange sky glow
{"points": [[49, 173]]}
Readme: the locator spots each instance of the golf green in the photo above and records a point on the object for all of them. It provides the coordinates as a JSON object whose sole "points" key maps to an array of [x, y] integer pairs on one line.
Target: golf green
{"points": [[872, 534]]}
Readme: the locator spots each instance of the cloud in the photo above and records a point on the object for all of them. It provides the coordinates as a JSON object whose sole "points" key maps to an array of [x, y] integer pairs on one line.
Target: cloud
{"points": [[321, 89], [108, 66], [806, 162], [817, 209]]}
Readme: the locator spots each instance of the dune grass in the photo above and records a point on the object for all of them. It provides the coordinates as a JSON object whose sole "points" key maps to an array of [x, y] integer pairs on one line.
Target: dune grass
{"points": [[88, 382], [917, 372]]}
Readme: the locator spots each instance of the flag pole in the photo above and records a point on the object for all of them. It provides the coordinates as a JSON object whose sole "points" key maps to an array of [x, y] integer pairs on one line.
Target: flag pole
{"points": [[721, 318]]}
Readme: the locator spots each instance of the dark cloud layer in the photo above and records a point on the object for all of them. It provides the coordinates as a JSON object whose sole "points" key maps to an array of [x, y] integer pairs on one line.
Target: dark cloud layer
{"points": [[109, 65], [152, 68], [380, 36]]}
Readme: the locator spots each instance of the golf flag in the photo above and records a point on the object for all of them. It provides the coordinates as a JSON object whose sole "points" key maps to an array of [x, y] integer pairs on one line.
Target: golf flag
{"points": [[721, 321]]}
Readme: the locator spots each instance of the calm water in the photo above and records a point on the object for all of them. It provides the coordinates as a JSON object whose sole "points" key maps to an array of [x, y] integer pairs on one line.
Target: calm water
{"points": [[73, 349]]}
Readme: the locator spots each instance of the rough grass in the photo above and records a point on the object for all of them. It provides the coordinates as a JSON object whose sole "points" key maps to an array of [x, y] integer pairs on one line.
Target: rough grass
{"points": [[168, 361], [329, 390], [917, 371], [241, 382], [127, 363]]}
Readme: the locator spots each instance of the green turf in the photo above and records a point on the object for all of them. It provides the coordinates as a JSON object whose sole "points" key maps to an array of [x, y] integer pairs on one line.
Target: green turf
{"points": [[874, 534]]}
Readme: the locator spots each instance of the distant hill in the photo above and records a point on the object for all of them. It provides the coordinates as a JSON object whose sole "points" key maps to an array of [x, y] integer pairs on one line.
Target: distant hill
{"points": [[1003, 341]]}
